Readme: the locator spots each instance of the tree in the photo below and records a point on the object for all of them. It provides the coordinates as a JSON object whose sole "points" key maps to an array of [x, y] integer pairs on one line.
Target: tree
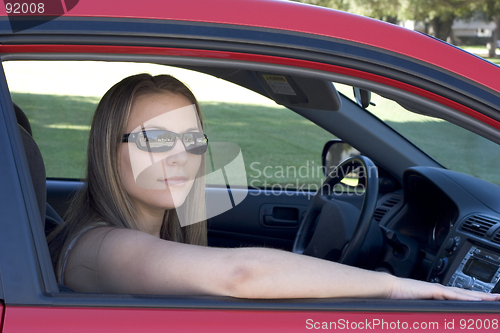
{"points": [[437, 15], [491, 11], [384, 10]]}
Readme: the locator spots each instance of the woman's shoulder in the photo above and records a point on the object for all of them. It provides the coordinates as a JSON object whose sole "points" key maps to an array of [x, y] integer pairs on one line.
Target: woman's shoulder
{"points": [[104, 251], [78, 234], [72, 241]]}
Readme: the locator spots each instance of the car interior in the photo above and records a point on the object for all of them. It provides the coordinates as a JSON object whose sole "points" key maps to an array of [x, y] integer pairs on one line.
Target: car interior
{"points": [[422, 221]]}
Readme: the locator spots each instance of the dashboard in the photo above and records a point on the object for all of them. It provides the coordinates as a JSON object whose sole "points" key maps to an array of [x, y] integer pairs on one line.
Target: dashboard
{"points": [[447, 226]]}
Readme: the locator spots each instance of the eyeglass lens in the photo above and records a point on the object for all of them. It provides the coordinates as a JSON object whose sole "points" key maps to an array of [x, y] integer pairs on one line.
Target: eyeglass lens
{"points": [[165, 140]]}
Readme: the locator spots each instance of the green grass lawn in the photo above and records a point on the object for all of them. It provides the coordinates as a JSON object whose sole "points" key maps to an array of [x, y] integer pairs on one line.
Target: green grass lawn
{"points": [[272, 137]]}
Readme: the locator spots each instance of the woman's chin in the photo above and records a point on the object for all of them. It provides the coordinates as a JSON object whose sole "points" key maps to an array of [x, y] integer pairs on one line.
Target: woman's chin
{"points": [[170, 198]]}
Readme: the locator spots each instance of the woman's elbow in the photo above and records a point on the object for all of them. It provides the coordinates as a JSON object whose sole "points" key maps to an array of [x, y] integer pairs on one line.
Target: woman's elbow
{"points": [[245, 272]]}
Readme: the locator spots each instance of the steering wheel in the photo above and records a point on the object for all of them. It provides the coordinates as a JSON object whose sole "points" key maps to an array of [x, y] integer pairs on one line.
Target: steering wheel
{"points": [[318, 206]]}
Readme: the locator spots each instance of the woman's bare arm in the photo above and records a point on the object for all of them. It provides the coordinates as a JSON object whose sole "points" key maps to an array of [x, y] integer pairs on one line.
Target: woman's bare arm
{"points": [[128, 261]]}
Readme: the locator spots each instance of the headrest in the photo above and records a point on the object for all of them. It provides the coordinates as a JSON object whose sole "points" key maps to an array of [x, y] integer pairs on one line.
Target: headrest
{"points": [[37, 170], [22, 119]]}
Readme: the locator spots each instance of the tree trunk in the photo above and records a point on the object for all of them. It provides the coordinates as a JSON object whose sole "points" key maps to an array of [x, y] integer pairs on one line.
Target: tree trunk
{"points": [[441, 27], [494, 38]]}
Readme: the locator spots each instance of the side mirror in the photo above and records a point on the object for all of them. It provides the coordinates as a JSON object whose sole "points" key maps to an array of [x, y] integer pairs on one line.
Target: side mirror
{"points": [[334, 152], [363, 97]]}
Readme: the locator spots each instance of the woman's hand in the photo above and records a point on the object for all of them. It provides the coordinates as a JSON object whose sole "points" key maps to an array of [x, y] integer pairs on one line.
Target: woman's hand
{"points": [[413, 289]]}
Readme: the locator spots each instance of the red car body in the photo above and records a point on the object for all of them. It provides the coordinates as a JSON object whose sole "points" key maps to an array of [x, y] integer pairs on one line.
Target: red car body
{"points": [[48, 311]]}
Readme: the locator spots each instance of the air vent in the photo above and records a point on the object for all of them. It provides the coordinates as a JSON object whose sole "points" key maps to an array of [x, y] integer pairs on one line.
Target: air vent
{"points": [[385, 206], [392, 201], [478, 225], [379, 214], [496, 238]]}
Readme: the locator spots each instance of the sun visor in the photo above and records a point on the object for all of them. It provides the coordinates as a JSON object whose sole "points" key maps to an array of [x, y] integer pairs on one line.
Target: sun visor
{"points": [[301, 92]]}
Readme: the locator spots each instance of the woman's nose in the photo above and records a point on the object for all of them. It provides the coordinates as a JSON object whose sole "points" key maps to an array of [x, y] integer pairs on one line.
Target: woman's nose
{"points": [[178, 154]]}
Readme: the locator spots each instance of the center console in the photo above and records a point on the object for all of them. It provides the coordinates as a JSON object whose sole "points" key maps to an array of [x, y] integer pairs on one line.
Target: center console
{"points": [[479, 270]]}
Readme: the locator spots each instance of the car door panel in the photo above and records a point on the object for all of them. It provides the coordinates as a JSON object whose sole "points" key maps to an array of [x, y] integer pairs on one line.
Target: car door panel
{"points": [[254, 222], [243, 225], [263, 218]]}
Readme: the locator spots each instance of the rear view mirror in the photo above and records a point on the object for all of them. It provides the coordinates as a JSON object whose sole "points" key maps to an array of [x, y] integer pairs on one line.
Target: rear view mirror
{"points": [[363, 97]]}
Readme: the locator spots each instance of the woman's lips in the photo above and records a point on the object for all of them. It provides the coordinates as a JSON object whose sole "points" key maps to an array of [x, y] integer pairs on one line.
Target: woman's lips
{"points": [[176, 181]]}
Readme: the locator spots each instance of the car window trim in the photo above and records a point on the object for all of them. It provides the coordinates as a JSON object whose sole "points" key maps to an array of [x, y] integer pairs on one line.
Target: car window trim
{"points": [[27, 271]]}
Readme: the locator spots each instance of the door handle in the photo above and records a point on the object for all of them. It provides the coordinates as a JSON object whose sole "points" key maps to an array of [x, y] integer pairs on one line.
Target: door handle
{"points": [[280, 216]]}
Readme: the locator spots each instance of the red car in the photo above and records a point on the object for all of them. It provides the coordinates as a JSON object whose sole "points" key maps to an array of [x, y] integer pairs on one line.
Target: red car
{"points": [[289, 92]]}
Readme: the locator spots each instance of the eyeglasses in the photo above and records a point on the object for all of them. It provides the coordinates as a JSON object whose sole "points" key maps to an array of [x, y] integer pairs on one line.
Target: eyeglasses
{"points": [[159, 141]]}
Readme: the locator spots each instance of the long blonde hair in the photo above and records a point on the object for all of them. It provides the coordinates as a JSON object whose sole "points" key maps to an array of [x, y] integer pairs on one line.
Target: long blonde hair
{"points": [[103, 198]]}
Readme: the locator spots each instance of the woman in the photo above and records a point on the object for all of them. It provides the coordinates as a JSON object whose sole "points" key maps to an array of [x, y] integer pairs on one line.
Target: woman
{"points": [[145, 180]]}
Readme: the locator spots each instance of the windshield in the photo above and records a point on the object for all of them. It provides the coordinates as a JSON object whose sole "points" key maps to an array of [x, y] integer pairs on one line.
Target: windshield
{"points": [[452, 146]]}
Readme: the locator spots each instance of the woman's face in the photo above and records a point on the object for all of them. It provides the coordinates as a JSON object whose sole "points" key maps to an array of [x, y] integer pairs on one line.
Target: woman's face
{"points": [[157, 181]]}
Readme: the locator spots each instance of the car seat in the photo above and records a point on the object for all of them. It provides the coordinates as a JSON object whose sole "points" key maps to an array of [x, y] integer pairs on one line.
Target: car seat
{"points": [[50, 218]]}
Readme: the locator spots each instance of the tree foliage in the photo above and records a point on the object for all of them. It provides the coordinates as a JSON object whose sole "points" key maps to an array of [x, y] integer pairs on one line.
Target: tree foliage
{"points": [[385, 10], [437, 15]]}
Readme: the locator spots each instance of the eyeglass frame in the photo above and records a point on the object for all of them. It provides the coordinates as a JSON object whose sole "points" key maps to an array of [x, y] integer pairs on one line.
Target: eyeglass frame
{"points": [[135, 135]]}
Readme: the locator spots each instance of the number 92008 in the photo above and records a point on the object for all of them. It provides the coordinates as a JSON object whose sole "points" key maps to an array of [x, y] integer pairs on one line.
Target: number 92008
{"points": [[478, 324], [25, 8]]}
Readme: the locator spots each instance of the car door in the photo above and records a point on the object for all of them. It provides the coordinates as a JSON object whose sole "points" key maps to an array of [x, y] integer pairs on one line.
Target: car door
{"points": [[32, 299]]}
